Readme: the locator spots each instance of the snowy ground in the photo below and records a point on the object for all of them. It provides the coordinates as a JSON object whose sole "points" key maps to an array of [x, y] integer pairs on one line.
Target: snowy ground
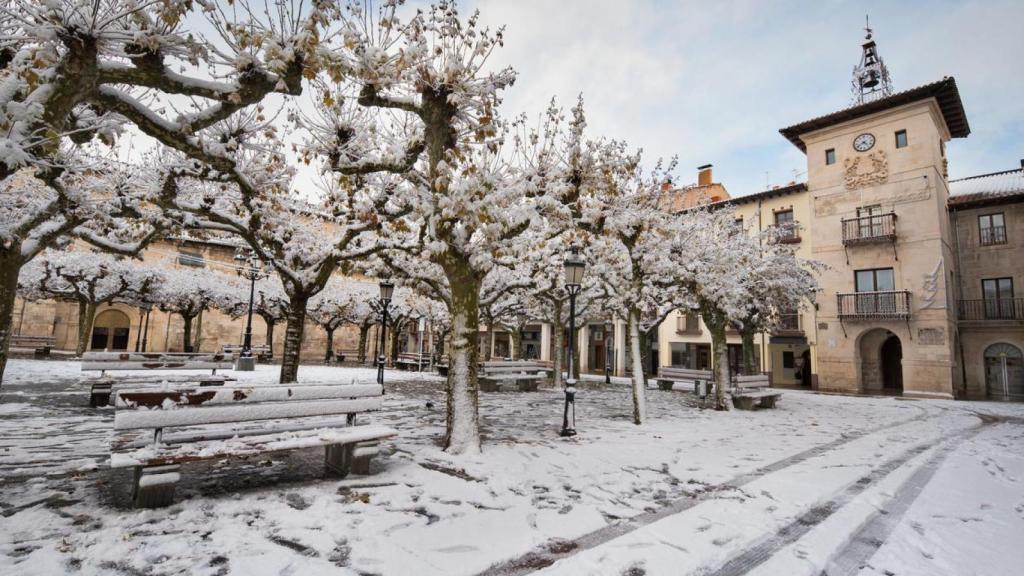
{"points": [[822, 484]]}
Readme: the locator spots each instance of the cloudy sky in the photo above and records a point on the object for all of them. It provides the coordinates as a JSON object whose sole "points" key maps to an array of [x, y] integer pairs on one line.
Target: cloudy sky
{"points": [[713, 81]]}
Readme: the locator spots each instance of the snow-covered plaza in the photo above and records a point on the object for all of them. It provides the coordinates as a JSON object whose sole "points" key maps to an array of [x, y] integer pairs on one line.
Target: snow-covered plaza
{"points": [[821, 484]]}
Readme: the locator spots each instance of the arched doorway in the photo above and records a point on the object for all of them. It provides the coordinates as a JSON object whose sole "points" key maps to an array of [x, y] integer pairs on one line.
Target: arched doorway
{"points": [[1004, 371], [892, 364], [110, 331], [881, 362]]}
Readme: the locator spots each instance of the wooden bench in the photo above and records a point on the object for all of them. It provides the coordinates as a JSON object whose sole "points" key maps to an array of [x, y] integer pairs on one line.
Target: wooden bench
{"points": [[40, 345], [525, 374], [412, 361], [103, 387], [237, 421], [669, 375], [754, 391], [262, 352]]}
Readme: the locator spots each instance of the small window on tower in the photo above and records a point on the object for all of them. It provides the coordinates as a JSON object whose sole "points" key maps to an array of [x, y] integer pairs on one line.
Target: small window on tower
{"points": [[830, 156], [901, 139]]}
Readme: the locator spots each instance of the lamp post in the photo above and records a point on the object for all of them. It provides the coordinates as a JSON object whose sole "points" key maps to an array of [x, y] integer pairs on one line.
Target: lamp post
{"points": [[608, 357], [248, 268], [574, 267], [387, 289]]}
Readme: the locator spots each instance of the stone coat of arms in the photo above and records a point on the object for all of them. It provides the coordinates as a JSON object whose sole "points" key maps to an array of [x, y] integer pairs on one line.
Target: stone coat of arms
{"points": [[866, 170]]}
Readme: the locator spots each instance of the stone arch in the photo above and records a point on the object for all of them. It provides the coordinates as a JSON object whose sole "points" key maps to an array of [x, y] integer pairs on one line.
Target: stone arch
{"points": [[1004, 371], [110, 331], [880, 361]]}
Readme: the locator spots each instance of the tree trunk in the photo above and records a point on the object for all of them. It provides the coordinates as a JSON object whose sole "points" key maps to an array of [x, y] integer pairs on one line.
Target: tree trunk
{"points": [[557, 336], [395, 340], [329, 354], [489, 340], [639, 380], [749, 359], [199, 332], [86, 314], [462, 433], [296, 323], [10, 267], [364, 333], [716, 322], [517, 342], [270, 322], [187, 343]]}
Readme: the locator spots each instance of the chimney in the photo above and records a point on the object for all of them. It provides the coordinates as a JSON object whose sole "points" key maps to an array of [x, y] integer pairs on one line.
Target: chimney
{"points": [[666, 186], [704, 175]]}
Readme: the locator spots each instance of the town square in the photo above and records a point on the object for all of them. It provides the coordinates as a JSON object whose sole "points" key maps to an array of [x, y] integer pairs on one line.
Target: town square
{"points": [[380, 287]]}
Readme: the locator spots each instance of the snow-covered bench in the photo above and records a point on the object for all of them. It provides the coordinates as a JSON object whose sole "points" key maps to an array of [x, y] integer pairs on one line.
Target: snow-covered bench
{"points": [[669, 375], [40, 345], [262, 352], [525, 374], [104, 362], [412, 361], [238, 421], [753, 391]]}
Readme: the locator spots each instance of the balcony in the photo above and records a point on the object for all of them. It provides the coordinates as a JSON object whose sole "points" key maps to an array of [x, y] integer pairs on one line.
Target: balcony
{"points": [[869, 229], [688, 324], [992, 235], [881, 305], [788, 233], [992, 309], [789, 325]]}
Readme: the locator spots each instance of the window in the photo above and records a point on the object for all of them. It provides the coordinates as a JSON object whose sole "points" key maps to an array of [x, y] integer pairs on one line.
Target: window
{"points": [[787, 359], [688, 324], [789, 320], [998, 293], [869, 221], [830, 156], [876, 280], [191, 259], [681, 354], [787, 226], [991, 229], [901, 139]]}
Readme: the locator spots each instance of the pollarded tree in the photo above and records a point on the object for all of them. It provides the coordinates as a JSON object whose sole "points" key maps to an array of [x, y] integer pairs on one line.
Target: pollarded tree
{"points": [[334, 307], [189, 292], [75, 72], [776, 283], [89, 279]]}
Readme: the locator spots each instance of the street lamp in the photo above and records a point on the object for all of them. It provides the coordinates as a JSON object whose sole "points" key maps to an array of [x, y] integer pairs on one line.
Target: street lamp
{"points": [[248, 268], [608, 339], [387, 289], [574, 267]]}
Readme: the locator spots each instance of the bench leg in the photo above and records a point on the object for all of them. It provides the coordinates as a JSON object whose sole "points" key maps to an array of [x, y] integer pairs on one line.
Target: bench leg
{"points": [[488, 385], [99, 396], [665, 384], [361, 456], [768, 402], [338, 459], [527, 385], [154, 485], [743, 402]]}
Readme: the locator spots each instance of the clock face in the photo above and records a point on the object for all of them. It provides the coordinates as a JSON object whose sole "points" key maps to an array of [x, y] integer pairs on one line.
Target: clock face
{"points": [[864, 142]]}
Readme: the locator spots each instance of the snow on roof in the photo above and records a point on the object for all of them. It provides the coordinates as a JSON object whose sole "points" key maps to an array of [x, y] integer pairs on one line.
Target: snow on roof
{"points": [[987, 187]]}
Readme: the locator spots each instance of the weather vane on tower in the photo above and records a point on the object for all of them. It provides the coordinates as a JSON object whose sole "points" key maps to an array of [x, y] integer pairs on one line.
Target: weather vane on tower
{"points": [[871, 79]]}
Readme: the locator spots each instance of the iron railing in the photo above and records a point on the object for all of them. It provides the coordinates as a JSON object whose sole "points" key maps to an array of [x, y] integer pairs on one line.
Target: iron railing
{"points": [[789, 325], [992, 235], [992, 309], [880, 305], [788, 233], [869, 229]]}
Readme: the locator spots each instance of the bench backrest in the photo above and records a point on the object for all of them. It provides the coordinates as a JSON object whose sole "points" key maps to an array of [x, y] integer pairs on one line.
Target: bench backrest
{"points": [[752, 381], [512, 367], [92, 361], [20, 338], [144, 408], [684, 373]]}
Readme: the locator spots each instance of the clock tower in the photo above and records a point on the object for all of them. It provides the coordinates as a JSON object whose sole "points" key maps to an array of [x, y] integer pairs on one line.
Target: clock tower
{"points": [[876, 174]]}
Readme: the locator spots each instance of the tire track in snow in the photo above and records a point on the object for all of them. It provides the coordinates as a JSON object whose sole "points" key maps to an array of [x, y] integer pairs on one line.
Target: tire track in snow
{"points": [[863, 543], [755, 556], [557, 550]]}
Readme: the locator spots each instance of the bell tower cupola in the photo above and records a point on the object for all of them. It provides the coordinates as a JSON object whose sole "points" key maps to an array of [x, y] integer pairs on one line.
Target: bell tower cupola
{"points": [[871, 79]]}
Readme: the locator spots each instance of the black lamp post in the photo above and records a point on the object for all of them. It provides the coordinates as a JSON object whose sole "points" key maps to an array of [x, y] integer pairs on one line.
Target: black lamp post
{"points": [[608, 339], [387, 289], [574, 267], [248, 268]]}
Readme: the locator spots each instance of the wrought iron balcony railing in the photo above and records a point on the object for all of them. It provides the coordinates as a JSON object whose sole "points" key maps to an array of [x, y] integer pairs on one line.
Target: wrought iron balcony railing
{"points": [[869, 229], [789, 325], [880, 305], [992, 235], [992, 309]]}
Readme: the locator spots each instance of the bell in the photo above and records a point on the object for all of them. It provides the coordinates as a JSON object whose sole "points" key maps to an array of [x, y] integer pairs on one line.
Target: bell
{"points": [[871, 80]]}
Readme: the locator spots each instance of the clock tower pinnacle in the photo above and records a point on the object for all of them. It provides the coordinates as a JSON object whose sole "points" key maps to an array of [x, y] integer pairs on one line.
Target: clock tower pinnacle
{"points": [[871, 79]]}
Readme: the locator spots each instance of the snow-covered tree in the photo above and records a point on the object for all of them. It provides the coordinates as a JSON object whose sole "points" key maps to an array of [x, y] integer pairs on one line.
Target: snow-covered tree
{"points": [[187, 293], [89, 279], [335, 306]]}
